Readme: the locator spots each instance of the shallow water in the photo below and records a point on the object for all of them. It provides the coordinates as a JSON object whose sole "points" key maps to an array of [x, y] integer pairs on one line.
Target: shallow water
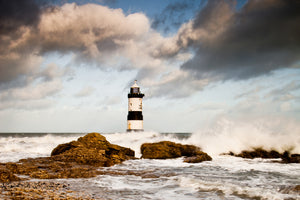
{"points": [[247, 179]]}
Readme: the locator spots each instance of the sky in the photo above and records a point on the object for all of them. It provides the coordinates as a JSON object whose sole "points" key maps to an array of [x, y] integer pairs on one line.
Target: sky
{"points": [[67, 66]]}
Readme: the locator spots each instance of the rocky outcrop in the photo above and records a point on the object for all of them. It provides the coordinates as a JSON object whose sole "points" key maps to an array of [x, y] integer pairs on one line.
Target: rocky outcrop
{"points": [[259, 153], [262, 153], [92, 149], [167, 149], [76, 159]]}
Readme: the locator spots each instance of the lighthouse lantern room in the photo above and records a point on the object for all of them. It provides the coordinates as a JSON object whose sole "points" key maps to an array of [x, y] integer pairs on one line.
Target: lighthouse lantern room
{"points": [[135, 116]]}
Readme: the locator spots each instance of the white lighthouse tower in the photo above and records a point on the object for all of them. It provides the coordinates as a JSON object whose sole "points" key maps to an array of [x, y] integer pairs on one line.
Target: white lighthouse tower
{"points": [[135, 116]]}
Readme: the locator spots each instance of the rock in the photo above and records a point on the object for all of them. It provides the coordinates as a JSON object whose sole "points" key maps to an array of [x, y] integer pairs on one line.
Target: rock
{"points": [[198, 158], [167, 149], [83, 156], [295, 158], [76, 159], [7, 176], [92, 149], [262, 153], [287, 158], [160, 150], [290, 189], [40, 190], [297, 189], [259, 153], [190, 150], [64, 147]]}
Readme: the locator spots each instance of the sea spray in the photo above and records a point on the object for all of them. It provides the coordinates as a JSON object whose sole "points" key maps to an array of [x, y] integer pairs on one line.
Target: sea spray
{"points": [[16, 146], [227, 135], [134, 140], [225, 177]]}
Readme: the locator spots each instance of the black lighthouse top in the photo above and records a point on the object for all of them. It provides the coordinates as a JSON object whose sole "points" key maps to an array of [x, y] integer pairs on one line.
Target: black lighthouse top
{"points": [[135, 91]]}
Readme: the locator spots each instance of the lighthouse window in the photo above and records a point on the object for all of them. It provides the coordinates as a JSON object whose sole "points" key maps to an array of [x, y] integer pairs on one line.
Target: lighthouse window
{"points": [[135, 90]]}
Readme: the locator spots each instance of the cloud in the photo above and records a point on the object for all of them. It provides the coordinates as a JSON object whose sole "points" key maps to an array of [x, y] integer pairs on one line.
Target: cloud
{"points": [[14, 14], [230, 43], [102, 37], [172, 16], [173, 84], [285, 92], [39, 104], [34, 90], [91, 31], [34, 95], [220, 43], [85, 91], [109, 101], [18, 57]]}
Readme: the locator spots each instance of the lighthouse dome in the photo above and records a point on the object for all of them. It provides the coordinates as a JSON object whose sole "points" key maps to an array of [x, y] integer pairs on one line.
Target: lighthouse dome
{"points": [[135, 85], [135, 89]]}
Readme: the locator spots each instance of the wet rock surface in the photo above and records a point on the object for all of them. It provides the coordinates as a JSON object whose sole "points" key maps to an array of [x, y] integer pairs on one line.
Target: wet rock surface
{"points": [[290, 189], [286, 157], [76, 159], [40, 190], [167, 150], [7, 176], [290, 158], [92, 149], [198, 158]]}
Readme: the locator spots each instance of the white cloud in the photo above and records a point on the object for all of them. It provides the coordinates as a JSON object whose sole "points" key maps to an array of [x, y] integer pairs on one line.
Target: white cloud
{"points": [[35, 90], [85, 91]]}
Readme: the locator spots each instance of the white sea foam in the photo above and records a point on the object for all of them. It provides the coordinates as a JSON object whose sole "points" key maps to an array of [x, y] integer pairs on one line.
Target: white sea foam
{"points": [[225, 177], [134, 140], [226, 135], [14, 148]]}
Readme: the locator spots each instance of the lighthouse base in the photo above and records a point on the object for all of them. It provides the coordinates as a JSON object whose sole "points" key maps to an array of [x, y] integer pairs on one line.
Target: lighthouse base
{"points": [[135, 125], [135, 130]]}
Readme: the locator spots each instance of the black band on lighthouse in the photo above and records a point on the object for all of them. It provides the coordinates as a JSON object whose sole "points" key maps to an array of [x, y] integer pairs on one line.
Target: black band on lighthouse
{"points": [[135, 95], [135, 115]]}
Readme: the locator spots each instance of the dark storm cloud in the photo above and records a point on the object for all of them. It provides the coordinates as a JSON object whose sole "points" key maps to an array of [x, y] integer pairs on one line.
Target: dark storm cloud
{"points": [[18, 20], [262, 36], [30, 29], [16, 13], [172, 16]]}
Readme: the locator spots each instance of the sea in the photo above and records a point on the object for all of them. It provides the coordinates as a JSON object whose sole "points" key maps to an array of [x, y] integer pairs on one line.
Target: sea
{"points": [[225, 177]]}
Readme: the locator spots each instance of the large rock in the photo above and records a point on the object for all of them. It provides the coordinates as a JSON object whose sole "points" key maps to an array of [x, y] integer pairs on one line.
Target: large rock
{"points": [[76, 159], [167, 149], [92, 149], [160, 150]]}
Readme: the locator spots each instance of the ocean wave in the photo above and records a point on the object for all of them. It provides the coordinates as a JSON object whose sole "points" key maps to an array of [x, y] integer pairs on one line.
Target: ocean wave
{"points": [[226, 135]]}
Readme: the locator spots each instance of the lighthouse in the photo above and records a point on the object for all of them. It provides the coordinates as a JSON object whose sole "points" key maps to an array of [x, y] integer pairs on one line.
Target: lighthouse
{"points": [[135, 116]]}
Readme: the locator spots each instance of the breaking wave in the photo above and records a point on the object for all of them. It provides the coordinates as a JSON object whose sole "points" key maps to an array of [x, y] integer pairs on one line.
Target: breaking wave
{"points": [[221, 137], [226, 135]]}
